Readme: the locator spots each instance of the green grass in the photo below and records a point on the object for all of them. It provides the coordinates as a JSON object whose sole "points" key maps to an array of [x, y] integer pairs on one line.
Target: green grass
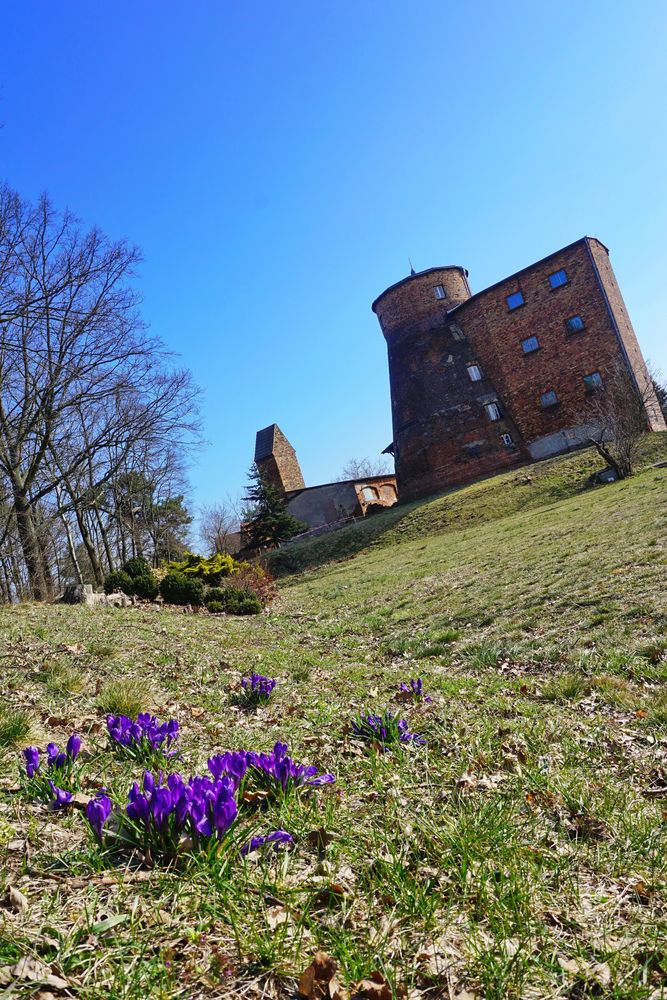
{"points": [[520, 853]]}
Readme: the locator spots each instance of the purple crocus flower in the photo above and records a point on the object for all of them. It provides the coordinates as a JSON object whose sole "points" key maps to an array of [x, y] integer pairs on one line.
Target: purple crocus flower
{"points": [[384, 729], [415, 688], [61, 797], [73, 746], [98, 811], [144, 736], [276, 767], [31, 756], [257, 688], [277, 837]]}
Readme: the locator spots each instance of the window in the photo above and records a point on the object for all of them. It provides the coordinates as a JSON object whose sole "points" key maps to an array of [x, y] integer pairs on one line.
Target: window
{"points": [[558, 278], [456, 331], [514, 301], [439, 292], [493, 411], [507, 439], [369, 494], [574, 324], [592, 381], [475, 373], [530, 344], [548, 398]]}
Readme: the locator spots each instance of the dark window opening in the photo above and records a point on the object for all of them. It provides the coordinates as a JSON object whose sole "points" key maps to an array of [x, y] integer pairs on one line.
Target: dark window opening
{"points": [[574, 324], [439, 292], [548, 398], [592, 381], [558, 278]]}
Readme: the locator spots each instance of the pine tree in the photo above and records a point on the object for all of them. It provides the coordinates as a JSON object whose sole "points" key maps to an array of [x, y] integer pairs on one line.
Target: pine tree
{"points": [[661, 393], [268, 521]]}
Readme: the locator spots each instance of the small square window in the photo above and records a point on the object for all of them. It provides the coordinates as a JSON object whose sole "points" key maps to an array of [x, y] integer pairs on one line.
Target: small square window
{"points": [[530, 344], [439, 292], [507, 439], [515, 300], [592, 381], [475, 373], [558, 278], [456, 331], [493, 411], [548, 398], [574, 324]]}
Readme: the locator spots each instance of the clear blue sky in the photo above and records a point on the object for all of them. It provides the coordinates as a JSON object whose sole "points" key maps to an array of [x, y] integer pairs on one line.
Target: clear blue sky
{"points": [[279, 162]]}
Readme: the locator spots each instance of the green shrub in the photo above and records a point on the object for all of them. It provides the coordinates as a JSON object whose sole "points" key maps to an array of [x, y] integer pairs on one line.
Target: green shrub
{"points": [[215, 594], [176, 588], [146, 586], [241, 601], [136, 567], [215, 607], [118, 580], [209, 570]]}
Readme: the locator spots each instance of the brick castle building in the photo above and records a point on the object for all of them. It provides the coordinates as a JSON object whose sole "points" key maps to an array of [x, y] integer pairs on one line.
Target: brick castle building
{"points": [[483, 382]]}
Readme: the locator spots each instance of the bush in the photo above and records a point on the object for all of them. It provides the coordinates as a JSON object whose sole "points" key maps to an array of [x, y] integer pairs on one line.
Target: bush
{"points": [[176, 588], [215, 607], [136, 567], [252, 576], [241, 601], [146, 586], [118, 580], [215, 594], [210, 571]]}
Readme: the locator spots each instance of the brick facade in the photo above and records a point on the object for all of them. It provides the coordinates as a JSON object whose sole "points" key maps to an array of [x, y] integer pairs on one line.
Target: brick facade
{"points": [[450, 429], [276, 460]]}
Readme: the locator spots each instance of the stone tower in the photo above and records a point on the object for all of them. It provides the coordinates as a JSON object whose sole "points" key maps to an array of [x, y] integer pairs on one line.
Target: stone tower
{"points": [[276, 460], [442, 435]]}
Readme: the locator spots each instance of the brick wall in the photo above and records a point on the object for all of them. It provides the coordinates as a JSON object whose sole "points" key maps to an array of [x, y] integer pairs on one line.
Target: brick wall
{"points": [[443, 435]]}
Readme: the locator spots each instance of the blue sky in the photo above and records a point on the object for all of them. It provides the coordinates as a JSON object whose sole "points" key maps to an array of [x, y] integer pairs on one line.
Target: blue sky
{"points": [[279, 163]]}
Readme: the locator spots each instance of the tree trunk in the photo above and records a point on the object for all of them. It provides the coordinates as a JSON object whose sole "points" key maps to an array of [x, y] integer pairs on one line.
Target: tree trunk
{"points": [[39, 576], [86, 538]]}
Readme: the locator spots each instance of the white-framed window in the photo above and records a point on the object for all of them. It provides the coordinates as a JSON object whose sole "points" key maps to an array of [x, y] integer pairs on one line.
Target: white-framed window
{"points": [[558, 278], [439, 292], [530, 344], [475, 373], [507, 439], [515, 300], [493, 411], [548, 398]]}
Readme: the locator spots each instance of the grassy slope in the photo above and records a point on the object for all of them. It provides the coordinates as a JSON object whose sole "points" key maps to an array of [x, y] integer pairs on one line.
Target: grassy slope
{"points": [[514, 856]]}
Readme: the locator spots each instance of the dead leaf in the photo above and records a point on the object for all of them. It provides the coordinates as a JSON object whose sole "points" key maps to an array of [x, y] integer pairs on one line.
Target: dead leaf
{"points": [[276, 915], [320, 839], [15, 900], [314, 981], [375, 987], [33, 971]]}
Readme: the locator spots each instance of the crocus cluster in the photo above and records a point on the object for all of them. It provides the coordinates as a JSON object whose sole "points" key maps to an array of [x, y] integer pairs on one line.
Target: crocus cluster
{"points": [[56, 759], [385, 729], [414, 688], [257, 689], [275, 769], [59, 764], [143, 738], [164, 816]]}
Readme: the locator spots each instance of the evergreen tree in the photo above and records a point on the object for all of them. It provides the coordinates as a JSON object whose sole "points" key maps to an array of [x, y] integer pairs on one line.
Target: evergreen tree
{"points": [[661, 393], [267, 522]]}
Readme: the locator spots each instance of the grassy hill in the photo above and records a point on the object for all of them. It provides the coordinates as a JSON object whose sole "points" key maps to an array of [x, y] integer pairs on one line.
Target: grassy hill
{"points": [[519, 853]]}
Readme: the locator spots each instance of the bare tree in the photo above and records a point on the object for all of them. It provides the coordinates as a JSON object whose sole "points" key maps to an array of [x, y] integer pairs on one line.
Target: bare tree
{"points": [[81, 383], [364, 468], [618, 417], [217, 524]]}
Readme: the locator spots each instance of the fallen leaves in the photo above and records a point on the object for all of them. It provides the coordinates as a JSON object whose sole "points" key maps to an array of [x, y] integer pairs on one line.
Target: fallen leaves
{"points": [[14, 900], [29, 969], [319, 980]]}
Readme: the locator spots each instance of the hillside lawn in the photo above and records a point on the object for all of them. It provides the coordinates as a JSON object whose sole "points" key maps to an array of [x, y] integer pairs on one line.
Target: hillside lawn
{"points": [[521, 853]]}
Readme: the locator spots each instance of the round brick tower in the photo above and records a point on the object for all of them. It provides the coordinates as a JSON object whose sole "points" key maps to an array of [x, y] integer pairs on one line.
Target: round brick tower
{"points": [[446, 430]]}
